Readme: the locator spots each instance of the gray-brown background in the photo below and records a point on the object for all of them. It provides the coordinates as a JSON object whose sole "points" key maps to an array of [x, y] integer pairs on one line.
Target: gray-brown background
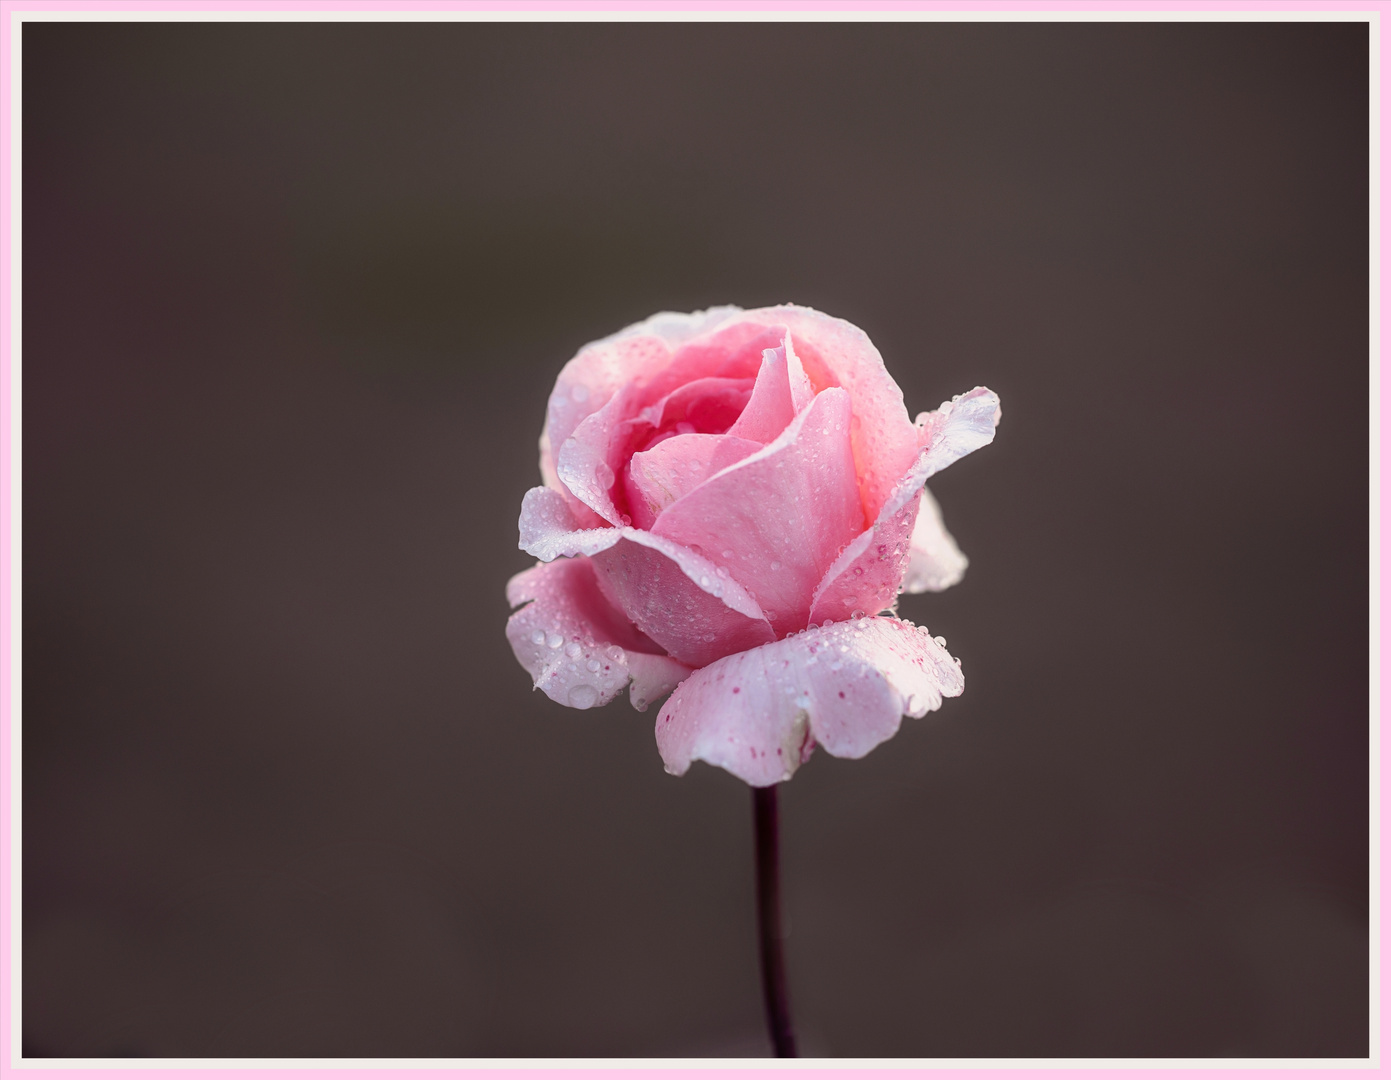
{"points": [[293, 300]]}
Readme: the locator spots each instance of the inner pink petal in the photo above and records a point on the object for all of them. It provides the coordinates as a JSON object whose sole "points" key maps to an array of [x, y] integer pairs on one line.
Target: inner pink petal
{"points": [[675, 466], [733, 352], [708, 406], [770, 409], [779, 517]]}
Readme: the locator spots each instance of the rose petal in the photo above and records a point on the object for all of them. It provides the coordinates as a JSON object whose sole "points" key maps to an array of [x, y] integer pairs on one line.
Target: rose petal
{"points": [[680, 599], [965, 423], [846, 686], [731, 350], [589, 461], [934, 561], [547, 528], [588, 383], [709, 406], [578, 649], [779, 517], [836, 353], [772, 406], [658, 477], [869, 573], [603, 367]]}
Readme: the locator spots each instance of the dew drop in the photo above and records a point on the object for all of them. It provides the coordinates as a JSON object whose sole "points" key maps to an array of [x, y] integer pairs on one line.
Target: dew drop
{"points": [[573, 649], [775, 565], [859, 571], [583, 696], [579, 392], [554, 641], [728, 554], [858, 613], [614, 653], [593, 665], [828, 622], [940, 640], [538, 636], [603, 475]]}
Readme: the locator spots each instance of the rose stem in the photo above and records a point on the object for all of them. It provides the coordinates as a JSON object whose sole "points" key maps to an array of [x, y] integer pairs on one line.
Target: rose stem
{"points": [[765, 831]]}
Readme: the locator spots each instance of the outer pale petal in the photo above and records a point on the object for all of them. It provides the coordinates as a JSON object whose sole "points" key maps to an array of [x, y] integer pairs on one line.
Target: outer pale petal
{"points": [[869, 573], [965, 423], [588, 462], [846, 686], [603, 367], [934, 561], [578, 649], [689, 606], [547, 528], [778, 518], [586, 385], [837, 353]]}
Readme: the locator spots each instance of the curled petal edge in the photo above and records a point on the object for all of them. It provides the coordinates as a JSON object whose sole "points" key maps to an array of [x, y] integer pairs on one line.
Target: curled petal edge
{"points": [[845, 686], [957, 427], [869, 572], [547, 531], [565, 638]]}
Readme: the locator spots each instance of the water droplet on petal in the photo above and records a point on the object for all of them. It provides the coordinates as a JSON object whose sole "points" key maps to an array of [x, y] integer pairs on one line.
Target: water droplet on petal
{"points": [[593, 665], [603, 475], [573, 649], [775, 565], [538, 636], [554, 641], [583, 696], [940, 640], [579, 392]]}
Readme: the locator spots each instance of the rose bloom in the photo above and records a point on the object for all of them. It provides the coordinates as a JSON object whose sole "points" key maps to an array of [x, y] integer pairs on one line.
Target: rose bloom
{"points": [[727, 494]]}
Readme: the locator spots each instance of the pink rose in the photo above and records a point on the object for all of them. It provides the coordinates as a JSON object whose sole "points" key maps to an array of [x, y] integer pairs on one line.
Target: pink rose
{"points": [[726, 494]]}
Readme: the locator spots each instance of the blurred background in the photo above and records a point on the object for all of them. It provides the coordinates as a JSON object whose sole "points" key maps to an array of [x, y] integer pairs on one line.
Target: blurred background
{"points": [[294, 298]]}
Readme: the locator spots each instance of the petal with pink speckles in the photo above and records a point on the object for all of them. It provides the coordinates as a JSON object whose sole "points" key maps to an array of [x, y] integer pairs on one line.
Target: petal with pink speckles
{"points": [[845, 686]]}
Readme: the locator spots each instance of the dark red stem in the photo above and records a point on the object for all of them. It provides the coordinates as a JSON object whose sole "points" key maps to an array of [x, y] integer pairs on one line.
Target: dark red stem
{"points": [[765, 832]]}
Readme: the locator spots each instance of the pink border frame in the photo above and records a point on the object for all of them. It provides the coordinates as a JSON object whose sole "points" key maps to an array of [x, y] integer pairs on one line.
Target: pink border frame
{"points": [[1379, 655]]}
